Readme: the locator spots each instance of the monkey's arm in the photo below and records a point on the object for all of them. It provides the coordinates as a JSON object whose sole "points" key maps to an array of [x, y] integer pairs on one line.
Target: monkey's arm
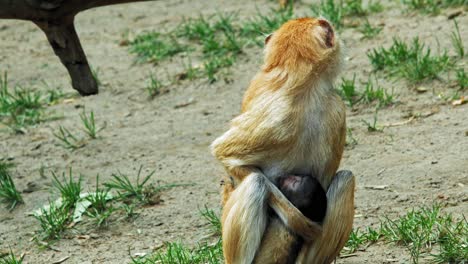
{"points": [[253, 137]]}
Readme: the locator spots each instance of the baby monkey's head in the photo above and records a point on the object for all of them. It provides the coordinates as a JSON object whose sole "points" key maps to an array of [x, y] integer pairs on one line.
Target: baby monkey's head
{"points": [[304, 44]]}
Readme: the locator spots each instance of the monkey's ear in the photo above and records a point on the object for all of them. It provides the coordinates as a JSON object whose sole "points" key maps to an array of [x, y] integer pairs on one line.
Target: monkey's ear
{"points": [[268, 38], [329, 33]]}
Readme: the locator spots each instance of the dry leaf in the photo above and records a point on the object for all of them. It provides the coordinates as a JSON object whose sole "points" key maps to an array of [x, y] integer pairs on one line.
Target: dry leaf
{"points": [[421, 89], [460, 101]]}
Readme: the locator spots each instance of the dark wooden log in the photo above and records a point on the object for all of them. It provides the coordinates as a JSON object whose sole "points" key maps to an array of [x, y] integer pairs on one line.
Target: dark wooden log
{"points": [[64, 40], [55, 18]]}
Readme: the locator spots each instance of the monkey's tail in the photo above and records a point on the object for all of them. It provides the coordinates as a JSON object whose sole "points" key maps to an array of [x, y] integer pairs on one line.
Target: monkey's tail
{"points": [[245, 218]]}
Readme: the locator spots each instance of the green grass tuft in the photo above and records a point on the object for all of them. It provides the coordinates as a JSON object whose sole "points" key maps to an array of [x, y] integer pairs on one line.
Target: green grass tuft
{"points": [[8, 192], [203, 253], [53, 221], [69, 189], [457, 41], [154, 47], [420, 229], [100, 210], [347, 90], [372, 93], [154, 86], [20, 107], [67, 139], [213, 219], [368, 31], [10, 258], [126, 189], [89, 124], [432, 6], [462, 79], [413, 62], [331, 10]]}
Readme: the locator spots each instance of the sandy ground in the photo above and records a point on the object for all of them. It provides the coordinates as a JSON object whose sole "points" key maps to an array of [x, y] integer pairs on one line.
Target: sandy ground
{"points": [[420, 162]]}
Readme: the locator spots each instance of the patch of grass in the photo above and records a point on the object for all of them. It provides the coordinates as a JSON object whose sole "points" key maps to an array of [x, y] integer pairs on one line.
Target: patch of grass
{"points": [[53, 221], [21, 107], [331, 10], [190, 72], [419, 229], [462, 79], [100, 217], [99, 198], [262, 24], [203, 253], [8, 192], [95, 73], [350, 139], [413, 62], [178, 253], [369, 31], [67, 139], [432, 6], [336, 11], [219, 37], [154, 86], [347, 90], [213, 219], [69, 189], [214, 64], [453, 241], [372, 93], [358, 239], [129, 210], [457, 41], [154, 47], [372, 126], [100, 210], [425, 6], [355, 241], [126, 189], [10, 258], [89, 124], [195, 28]]}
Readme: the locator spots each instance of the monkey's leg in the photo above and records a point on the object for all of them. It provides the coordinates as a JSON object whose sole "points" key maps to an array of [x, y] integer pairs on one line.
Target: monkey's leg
{"points": [[337, 224], [279, 245]]}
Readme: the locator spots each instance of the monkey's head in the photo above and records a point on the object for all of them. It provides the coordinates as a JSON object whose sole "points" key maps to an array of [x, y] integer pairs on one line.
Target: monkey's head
{"points": [[304, 44]]}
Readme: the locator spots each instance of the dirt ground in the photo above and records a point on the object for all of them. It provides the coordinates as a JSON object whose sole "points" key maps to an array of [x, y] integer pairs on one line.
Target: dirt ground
{"points": [[419, 162]]}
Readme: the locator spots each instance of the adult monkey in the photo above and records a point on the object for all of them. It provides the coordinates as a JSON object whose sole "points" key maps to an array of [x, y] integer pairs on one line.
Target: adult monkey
{"points": [[292, 124]]}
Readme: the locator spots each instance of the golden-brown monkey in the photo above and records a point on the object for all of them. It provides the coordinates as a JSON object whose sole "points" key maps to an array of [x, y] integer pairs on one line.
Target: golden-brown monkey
{"points": [[292, 123]]}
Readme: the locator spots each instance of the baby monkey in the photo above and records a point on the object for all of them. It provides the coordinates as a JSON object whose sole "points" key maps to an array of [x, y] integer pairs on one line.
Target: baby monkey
{"points": [[306, 193]]}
